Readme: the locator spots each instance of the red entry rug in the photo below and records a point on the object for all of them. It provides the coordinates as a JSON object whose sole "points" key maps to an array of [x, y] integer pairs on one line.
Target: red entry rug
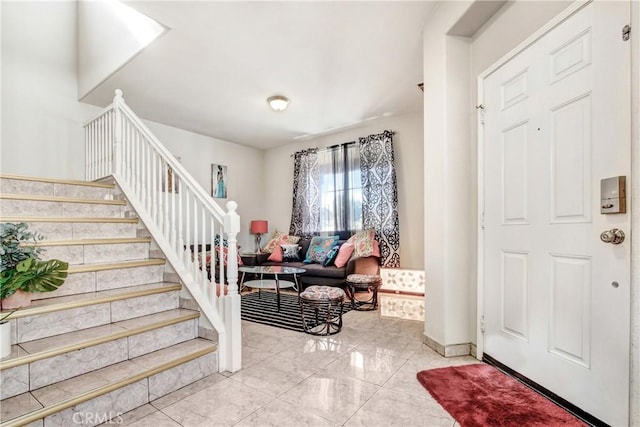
{"points": [[479, 395]]}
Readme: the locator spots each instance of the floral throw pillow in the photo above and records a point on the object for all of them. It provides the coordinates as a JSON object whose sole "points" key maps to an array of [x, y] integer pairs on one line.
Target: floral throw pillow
{"points": [[279, 238], [273, 242], [224, 256], [319, 248], [362, 243]]}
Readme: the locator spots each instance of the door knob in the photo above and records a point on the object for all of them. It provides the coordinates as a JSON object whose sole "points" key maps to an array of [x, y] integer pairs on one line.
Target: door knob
{"points": [[615, 236]]}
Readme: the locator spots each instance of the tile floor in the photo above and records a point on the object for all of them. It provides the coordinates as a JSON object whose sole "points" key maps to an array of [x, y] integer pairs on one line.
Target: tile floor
{"points": [[363, 376]]}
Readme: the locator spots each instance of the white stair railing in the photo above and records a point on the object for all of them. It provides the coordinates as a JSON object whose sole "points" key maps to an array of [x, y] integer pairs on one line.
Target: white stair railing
{"points": [[179, 214]]}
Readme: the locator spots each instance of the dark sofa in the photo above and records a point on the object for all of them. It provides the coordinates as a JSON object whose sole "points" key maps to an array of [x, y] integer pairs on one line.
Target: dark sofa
{"points": [[317, 274]]}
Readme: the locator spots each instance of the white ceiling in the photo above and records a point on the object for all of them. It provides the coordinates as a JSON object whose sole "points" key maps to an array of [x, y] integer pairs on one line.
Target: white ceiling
{"points": [[340, 63]]}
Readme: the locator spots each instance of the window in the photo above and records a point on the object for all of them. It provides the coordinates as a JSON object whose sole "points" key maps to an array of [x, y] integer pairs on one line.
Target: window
{"points": [[340, 188]]}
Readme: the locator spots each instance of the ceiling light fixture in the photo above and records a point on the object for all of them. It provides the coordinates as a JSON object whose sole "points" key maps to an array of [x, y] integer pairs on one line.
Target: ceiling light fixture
{"points": [[278, 102]]}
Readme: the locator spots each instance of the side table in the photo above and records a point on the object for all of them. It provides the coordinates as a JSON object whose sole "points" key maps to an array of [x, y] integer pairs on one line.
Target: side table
{"points": [[250, 259]]}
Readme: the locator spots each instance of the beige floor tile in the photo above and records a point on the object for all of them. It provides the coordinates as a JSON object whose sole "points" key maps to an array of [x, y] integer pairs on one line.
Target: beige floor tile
{"points": [[187, 391], [271, 376], [131, 417], [252, 355], [401, 346], [156, 419], [222, 404], [389, 408], [18, 405], [284, 414], [373, 366], [330, 395]]}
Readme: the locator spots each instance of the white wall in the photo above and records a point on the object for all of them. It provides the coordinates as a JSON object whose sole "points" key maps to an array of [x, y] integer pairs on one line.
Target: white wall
{"points": [[110, 34], [451, 66], [447, 185], [244, 171], [407, 140], [42, 121]]}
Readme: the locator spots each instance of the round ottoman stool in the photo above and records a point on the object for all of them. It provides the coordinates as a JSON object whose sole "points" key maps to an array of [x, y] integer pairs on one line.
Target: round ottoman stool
{"points": [[326, 304], [366, 282]]}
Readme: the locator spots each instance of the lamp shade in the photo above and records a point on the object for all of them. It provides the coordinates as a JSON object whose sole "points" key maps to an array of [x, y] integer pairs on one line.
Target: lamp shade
{"points": [[259, 226]]}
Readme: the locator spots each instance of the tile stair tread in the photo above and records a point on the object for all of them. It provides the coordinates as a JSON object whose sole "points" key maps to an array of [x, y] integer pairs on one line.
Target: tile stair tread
{"points": [[16, 406], [96, 333], [25, 403], [60, 199], [88, 297], [58, 181], [101, 266], [79, 219], [63, 390], [80, 242]]}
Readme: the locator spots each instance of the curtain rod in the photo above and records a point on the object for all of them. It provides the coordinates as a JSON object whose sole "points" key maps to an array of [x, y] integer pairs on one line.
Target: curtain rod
{"points": [[344, 144]]}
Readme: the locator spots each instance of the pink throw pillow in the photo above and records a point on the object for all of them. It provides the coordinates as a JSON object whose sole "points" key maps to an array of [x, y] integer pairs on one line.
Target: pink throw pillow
{"points": [[344, 254], [276, 255], [376, 248]]}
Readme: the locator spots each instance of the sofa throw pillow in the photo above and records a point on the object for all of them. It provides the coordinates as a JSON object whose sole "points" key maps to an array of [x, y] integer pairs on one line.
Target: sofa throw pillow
{"points": [[273, 242], [207, 258], [290, 253], [344, 254], [362, 243], [331, 256], [279, 238], [276, 255], [319, 248], [224, 254], [376, 249], [216, 241]]}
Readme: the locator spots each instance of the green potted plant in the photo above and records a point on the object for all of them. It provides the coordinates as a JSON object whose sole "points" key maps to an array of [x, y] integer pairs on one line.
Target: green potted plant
{"points": [[21, 270]]}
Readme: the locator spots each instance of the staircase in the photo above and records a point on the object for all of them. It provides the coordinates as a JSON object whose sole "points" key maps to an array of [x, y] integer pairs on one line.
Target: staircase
{"points": [[116, 335]]}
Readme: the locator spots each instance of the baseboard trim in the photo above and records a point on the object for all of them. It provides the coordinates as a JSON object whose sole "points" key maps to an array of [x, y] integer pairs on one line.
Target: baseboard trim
{"points": [[566, 405], [451, 350]]}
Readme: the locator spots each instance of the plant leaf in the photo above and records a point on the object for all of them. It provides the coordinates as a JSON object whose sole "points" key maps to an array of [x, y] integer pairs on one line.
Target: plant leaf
{"points": [[45, 276]]}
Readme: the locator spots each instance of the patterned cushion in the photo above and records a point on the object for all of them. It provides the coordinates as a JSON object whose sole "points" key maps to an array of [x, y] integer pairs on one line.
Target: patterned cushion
{"points": [[223, 256], [319, 248], [331, 256], [279, 238], [362, 243], [364, 279], [322, 293], [208, 259], [290, 253], [216, 241], [273, 243]]}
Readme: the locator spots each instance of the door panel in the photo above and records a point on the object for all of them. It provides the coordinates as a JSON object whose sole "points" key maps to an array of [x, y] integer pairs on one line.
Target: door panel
{"points": [[557, 121]]}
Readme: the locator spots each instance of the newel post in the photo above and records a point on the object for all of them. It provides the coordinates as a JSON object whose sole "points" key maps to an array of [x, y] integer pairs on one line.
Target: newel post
{"points": [[117, 137], [232, 320]]}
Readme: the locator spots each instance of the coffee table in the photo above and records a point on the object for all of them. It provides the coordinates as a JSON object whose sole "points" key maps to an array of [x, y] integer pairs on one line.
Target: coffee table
{"points": [[274, 283]]}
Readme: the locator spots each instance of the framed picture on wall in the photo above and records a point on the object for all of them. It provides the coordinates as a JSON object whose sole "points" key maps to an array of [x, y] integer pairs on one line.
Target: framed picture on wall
{"points": [[218, 181]]}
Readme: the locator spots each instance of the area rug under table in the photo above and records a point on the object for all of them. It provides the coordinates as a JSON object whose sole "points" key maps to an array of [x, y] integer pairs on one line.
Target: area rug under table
{"points": [[263, 308], [479, 395]]}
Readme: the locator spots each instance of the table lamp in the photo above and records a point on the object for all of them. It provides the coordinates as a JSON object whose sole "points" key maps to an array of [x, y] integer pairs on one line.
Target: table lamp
{"points": [[259, 227]]}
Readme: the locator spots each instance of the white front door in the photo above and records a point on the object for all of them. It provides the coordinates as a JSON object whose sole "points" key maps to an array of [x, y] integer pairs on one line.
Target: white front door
{"points": [[557, 298]]}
